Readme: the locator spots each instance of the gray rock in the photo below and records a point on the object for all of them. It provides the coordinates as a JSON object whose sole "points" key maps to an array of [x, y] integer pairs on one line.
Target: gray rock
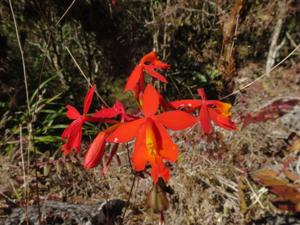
{"points": [[55, 213]]}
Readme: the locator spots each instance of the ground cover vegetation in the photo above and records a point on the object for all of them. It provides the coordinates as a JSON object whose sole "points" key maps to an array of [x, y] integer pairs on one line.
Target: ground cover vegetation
{"points": [[186, 111]]}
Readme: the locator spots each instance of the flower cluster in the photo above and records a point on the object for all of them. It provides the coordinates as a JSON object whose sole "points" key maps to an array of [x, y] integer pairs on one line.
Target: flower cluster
{"points": [[153, 145]]}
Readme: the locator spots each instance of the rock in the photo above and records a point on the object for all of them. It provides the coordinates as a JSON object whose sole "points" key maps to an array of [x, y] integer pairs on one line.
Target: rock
{"points": [[54, 213], [278, 220]]}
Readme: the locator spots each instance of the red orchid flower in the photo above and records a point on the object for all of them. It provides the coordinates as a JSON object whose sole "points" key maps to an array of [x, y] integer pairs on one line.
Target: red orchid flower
{"points": [[73, 133], [117, 109], [210, 110], [149, 63], [97, 148], [153, 144]]}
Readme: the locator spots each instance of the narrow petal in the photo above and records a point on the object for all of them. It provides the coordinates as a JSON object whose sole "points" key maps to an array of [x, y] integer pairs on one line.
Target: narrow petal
{"points": [[134, 78], [150, 70], [73, 141], [109, 112], [221, 120], [149, 58], [139, 155], [176, 120], [67, 131], [165, 104], [160, 65], [186, 103], [168, 150], [111, 155], [73, 135], [205, 120], [201, 93], [222, 107], [126, 131], [159, 170], [88, 100], [72, 112], [96, 151], [150, 101]]}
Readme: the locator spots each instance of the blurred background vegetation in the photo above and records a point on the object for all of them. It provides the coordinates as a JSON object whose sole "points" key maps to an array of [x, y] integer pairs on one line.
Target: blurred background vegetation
{"points": [[108, 39]]}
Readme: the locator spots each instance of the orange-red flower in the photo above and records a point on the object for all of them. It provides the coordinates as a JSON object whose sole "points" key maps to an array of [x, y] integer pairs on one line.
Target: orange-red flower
{"points": [[97, 148], [153, 144], [149, 64], [210, 110], [73, 132]]}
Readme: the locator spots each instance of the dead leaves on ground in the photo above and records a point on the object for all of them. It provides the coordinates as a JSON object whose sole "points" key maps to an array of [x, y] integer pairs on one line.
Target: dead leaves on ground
{"points": [[284, 183], [272, 111]]}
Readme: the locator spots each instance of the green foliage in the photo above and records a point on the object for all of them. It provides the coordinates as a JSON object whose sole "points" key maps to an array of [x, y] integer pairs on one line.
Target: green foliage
{"points": [[107, 41]]}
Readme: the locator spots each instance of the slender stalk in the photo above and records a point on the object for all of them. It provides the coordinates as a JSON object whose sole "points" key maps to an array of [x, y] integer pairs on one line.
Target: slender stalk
{"points": [[264, 74], [85, 77], [22, 56], [29, 125], [24, 174], [131, 188]]}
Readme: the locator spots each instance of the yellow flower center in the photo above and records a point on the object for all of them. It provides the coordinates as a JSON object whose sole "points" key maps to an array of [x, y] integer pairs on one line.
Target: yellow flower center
{"points": [[151, 144]]}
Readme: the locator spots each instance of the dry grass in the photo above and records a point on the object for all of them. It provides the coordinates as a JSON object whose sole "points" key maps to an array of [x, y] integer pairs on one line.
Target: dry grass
{"points": [[211, 178]]}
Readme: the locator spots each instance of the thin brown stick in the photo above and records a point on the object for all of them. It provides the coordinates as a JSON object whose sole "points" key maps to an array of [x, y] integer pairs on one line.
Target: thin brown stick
{"points": [[24, 174], [264, 74], [22, 55], [131, 188], [65, 13], [29, 125], [85, 77]]}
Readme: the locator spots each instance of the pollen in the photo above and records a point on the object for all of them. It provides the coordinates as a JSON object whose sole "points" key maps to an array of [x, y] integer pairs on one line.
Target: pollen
{"points": [[151, 144]]}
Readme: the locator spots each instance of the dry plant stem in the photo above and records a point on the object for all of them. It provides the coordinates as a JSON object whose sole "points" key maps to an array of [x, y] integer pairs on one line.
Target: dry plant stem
{"points": [[24, 174], [264, 74], [29, 123], [162, 218], [275, 36], [85, 77], [254, 193], [156, 31], [166, 36], [22, 56], [129, 197], [66, 12], [131, 188]]}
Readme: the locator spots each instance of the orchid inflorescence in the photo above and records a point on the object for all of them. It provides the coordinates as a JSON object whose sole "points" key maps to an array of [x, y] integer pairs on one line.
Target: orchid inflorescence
{"points": [[153, 145]]}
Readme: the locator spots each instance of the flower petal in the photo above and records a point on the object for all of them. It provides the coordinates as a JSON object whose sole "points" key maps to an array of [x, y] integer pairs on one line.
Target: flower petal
{"points": [[72, 112], [149, 58], [88, 100], [186, 103], [176, 120], [73, 135], [111, 155], [221, 120], [117, 109], [201, 93], [168, 150], [150, 101], [150, 70], [205, 119], [96, 151], [139, 155], [158, 169], [134, 78], [126, 131], [221, 107], [160, 65]]}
